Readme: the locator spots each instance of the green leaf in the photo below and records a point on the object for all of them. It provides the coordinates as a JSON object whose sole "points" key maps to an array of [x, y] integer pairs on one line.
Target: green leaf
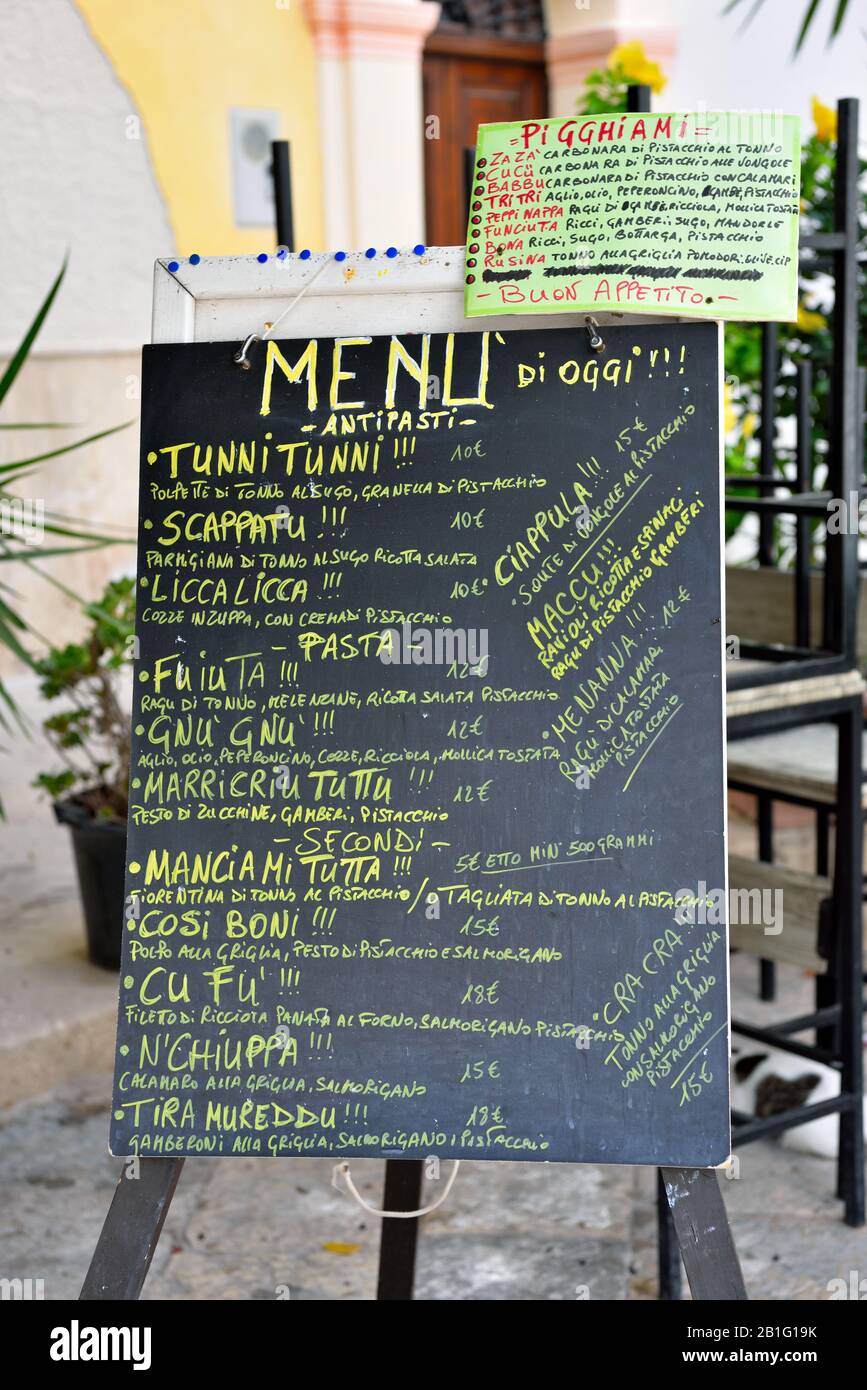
{"points": [[17, 718], [842, 7], [9, 640], [60, 723], [55, 783], [12, 617], [118, 625], [64, 449], [126, 533], [756, 7], [59, 550], [809, 15], [20, 356], [61, 528]]}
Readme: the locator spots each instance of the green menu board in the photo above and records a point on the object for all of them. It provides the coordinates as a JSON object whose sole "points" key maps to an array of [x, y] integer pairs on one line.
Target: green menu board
{"points": [[672, 213]]}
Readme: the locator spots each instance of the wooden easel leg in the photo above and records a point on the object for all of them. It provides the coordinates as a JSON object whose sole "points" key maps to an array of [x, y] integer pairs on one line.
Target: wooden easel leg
{"points": [[132, 1228], [667, 1248], [702, 1227], [399, 1236]]}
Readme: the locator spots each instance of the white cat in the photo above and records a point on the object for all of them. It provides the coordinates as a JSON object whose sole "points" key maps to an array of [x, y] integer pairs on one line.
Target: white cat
{"points": [[767, 1081]]}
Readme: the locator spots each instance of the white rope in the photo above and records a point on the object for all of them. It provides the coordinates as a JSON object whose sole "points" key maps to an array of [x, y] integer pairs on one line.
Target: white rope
{"points": [[291, 305], [342, 1170]]}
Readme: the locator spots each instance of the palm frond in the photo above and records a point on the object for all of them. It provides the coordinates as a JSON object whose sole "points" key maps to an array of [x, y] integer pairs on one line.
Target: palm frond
{"points": [[47, 553], [20, 356], [806, 23], [809, 16], [11, 468]]}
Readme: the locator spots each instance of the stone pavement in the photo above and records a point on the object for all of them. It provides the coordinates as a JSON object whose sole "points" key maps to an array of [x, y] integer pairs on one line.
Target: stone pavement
{"points": [[254, 1228], [250, 1228]]}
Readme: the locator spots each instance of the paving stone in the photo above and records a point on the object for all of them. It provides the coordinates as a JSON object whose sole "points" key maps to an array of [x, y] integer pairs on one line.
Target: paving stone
{"points": [[566, 1198], [57, 1180], [272, 1229], [276, 1228], [522, 1266]]}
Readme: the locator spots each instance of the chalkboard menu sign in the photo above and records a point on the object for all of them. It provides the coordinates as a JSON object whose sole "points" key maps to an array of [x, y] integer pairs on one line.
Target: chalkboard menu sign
{"points": [[426, 843]]}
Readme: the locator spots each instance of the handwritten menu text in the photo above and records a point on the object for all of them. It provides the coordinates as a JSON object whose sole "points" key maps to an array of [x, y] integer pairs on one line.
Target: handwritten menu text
{"points": [[687, 214], [427, 752]]}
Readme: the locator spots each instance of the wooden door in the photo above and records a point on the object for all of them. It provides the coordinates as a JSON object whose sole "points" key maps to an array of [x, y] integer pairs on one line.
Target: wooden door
{"points": [[470, 80]]}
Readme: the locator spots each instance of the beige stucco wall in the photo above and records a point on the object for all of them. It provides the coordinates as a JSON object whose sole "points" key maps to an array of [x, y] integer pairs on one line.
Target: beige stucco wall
{"points": [[184, 64], [96, 485], [115, 150]]}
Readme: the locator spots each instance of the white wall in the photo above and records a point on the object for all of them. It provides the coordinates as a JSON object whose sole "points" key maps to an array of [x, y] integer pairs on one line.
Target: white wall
{"points": [[726, 67], [71, 178]]}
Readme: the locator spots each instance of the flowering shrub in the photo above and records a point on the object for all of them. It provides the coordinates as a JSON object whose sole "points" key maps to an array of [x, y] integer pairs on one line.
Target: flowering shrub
{"points": [[605, 88]]}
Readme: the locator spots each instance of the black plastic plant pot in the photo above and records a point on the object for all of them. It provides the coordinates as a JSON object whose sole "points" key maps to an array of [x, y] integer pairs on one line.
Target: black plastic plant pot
{"points": [[100, 860]]}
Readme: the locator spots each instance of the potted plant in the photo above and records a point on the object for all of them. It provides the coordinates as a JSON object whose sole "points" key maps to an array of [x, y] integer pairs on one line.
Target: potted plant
{"points": [[90, 732]]}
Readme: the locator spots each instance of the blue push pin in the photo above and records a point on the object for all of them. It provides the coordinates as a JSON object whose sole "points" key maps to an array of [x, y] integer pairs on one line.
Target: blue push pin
{"points": [[282, 253], [370, 252], [391, 252], [340, 255], [304, 255], [262, 257], [418, 249], [194, 259], [173, 266]]}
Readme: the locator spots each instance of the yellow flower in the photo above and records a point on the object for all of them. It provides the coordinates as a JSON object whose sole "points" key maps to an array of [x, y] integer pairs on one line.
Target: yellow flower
{"points": [[748, 426], [809, 321], [825, 121], [631, 62], [730, 418]]}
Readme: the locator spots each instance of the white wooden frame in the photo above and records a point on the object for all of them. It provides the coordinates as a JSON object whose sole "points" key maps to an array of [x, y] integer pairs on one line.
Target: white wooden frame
{"points": [[224, 298]]}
